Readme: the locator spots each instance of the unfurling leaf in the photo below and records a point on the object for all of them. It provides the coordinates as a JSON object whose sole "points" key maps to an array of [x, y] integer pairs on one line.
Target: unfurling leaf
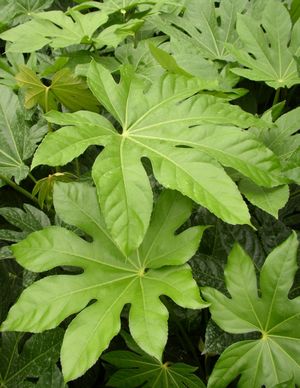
{"points": [[110, 279]]}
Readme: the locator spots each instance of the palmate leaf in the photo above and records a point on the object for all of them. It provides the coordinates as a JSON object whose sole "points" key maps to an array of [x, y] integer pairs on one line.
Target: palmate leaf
{"points": [[203, 26], [110, 279], [65, 87], [39, 353], [270, 47], [17, 140], [136, 370], [60, 30], [275, 357], [185, 136]]}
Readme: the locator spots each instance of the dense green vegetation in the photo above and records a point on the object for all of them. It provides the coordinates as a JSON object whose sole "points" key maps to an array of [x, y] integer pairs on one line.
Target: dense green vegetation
{"points": [[149, 193]]}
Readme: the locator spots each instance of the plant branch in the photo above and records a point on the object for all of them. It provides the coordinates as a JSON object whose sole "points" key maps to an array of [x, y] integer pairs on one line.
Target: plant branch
{"points": [[18, 188]]}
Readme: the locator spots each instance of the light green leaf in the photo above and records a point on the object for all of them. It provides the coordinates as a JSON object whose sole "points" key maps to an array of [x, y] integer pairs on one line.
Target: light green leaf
{"points": [[274, 358], [205, 27], [109, 278], [270, 200], [17, 139], [65, 87], [270, 47], [139, 369], [159, 122], [54, 28], [39, 353]]}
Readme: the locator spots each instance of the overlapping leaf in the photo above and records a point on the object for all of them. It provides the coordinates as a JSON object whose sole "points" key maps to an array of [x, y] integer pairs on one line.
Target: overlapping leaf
{"points": [[65, 87], [270, 47], [284, 141], [137, 370], [109, 278], [17, 140], [183, 134], [205, 27], [61, 30], [275, 357]]}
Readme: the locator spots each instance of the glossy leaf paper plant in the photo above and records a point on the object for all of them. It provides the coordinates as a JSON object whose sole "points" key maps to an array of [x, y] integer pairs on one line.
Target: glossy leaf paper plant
{"points": [[149, 186]]}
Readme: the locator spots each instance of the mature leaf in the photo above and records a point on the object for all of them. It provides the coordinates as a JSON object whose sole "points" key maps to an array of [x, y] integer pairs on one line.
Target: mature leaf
{"points": [[37, 355], [65, 87], [204, 26], [17, 139], [109, 278], [270, 200], [274, 358], [137, 370], [270, 47], [28, 220], [182, 133]]}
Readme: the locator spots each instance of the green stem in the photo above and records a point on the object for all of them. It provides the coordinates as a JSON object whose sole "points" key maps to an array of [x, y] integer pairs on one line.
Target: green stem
{"points": [[77, 167], [276, 97], [19, 188], [47, 107], [32, 178]]}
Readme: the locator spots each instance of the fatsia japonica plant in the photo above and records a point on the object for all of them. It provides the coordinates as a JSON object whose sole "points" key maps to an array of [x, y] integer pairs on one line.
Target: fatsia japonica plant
{"points": [[149, 193]]}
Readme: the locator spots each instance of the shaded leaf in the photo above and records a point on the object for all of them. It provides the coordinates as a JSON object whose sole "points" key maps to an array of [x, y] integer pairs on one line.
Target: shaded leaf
{"points": [[38, 353], [65, 87], [137, 370]]}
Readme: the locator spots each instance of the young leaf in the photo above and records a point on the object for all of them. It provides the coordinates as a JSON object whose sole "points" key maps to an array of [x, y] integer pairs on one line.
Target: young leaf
{"points": [[109, 278], [181, 132], [136, 370], [38, 354], [270, 47], [205, 27], [65, 87], [17, 139], [274, 358]]}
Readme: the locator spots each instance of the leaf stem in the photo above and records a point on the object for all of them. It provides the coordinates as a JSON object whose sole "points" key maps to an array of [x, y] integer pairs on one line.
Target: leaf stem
{"points": [[77, 167], [18, 188], [47, 107], [32, 177], [276, 97]]}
